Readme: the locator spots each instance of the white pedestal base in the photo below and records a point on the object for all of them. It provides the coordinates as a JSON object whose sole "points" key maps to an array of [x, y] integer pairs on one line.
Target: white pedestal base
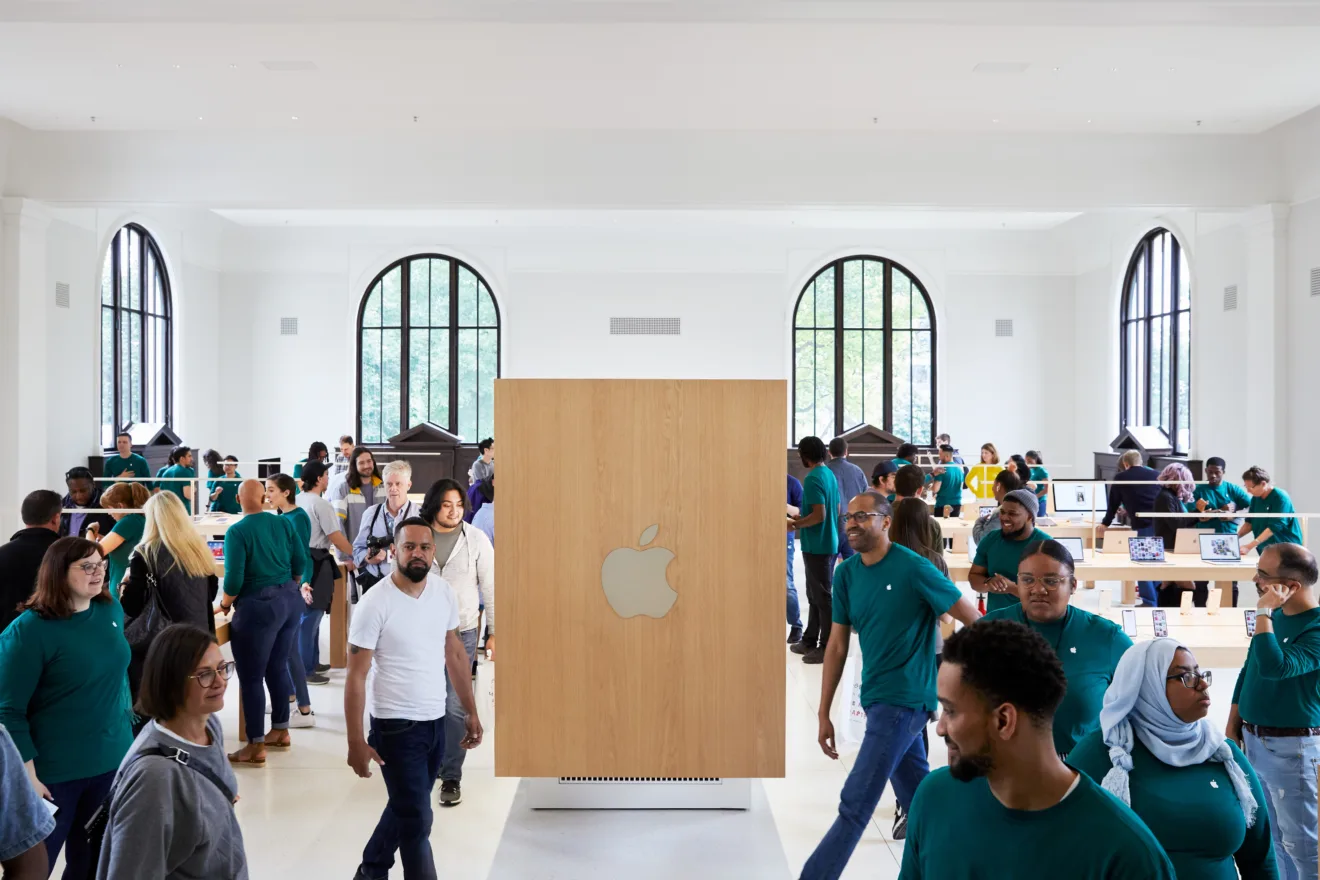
{"points": [[632, 793]]}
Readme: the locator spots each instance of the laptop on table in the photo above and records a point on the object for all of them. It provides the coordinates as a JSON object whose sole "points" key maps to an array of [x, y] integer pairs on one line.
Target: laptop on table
{"points": [[1146, 551], [1075, 548], [1221, 549]]}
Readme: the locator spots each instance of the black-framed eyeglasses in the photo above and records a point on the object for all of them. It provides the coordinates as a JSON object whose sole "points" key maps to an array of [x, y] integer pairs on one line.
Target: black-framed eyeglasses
{"points": [[206, 678], [1189, 679], [860, 517], [91, 568], [1050, 582]]}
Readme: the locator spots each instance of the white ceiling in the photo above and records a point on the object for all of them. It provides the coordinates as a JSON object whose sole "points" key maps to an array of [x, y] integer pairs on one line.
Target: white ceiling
{"points": [[508, 66]]}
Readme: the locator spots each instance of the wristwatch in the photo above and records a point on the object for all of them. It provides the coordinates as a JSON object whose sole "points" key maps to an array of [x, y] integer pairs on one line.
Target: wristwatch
{"points": [[1264, 613]]}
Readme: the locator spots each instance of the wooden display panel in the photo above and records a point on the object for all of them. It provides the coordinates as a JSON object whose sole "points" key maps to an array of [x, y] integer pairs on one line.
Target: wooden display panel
{"points": [[585, 467]]}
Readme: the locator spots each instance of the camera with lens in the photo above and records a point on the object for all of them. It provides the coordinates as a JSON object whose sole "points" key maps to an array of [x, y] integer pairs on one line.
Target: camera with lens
{"points": [[377, 543]]}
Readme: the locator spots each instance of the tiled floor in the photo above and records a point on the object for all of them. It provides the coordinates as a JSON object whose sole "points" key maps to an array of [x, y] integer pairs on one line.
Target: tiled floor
{"points": [[307, 815]]}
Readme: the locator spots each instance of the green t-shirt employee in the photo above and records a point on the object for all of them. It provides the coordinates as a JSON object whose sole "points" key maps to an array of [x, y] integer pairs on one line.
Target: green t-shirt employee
{"points": [[995, 565], [1267, 498]]}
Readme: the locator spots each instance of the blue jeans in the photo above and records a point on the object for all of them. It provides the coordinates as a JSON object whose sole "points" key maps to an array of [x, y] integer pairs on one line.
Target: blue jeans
{"points": [[845, 550], [309, 638], [261, 635], [77, 800], [451, 769], [1041, 511], [411, 751], [1148, 589], [891, 748], [794, 610], [1286, 766]]}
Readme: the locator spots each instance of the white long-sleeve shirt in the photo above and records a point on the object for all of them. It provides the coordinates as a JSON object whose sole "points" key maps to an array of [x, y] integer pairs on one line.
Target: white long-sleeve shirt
{"points": [[470, 571]]}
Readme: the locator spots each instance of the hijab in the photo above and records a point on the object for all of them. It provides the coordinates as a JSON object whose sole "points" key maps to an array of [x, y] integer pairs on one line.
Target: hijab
{"points": [[1136, 705]]}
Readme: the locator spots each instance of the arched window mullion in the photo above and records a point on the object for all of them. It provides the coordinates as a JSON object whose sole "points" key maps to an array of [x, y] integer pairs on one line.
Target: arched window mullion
{"points": [[151, 317]]}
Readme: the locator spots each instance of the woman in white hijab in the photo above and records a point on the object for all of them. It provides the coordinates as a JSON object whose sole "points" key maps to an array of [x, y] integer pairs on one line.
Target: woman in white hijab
{"points": [[1193, 788]]}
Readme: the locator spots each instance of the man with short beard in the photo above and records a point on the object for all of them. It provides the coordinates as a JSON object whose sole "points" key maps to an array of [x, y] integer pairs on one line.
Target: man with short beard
{"points": [[1006, 806], [994, 568], [393, 630]]}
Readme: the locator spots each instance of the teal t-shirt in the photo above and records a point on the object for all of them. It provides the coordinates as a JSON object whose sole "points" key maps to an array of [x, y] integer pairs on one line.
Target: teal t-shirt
{"points": [[129, 529], [1039, 476], [176, 486], [1193, 811], [1280, 683], [261, 550], [894, 607], [64, 691], [1089, 647], [821, 488], [135, 466], [1283, 531], [1001, 556], [951, 486], [1218, 498], [302, 527], [960, 831], [227, 500]]}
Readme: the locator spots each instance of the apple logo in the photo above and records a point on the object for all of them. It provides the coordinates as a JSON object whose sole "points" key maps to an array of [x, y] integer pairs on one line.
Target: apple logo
{"points": [[634, 580]]}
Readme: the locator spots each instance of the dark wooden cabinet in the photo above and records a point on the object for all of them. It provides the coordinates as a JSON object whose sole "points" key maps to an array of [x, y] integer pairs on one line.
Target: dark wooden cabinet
{"points": [[867, 447], [1156, 452]]}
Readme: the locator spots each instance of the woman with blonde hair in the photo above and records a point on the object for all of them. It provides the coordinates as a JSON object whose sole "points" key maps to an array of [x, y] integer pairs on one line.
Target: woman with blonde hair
{"points": [[171, 570], [981, 477], [118, 545]]}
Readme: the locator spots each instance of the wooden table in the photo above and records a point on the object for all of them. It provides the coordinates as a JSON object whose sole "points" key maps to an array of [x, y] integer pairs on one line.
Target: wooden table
{"points": [[214, 525], [1118, 567], [959, 530], [1218, 637]]}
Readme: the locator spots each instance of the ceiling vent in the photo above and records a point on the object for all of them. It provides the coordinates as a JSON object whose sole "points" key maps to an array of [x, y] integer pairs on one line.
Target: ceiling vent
{"points": [[1315, 282], [61, 295], [1230, 298], [288, 326], [1004, 327], [288, 66], [1001, 67], [646, 326]]}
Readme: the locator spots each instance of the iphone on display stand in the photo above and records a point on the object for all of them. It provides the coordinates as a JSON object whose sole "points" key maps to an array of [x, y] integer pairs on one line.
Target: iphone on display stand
{"points": [[1161, 621], [1250, 615], [1129, 623]]}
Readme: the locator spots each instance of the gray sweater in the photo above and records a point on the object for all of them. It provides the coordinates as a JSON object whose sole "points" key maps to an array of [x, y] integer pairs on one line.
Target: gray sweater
{"points": [[169, 822]]}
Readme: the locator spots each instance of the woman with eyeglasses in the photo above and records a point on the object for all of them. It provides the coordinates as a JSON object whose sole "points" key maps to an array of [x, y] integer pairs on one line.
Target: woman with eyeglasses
{"points": [[1088, 645], [1192, 787], [64, 692], [171, 814]]}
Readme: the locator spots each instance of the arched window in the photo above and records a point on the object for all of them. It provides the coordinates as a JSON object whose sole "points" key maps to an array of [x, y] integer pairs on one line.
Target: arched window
{"points": [[137, 384], [428, 350], [864, 352], [1156, 340]]}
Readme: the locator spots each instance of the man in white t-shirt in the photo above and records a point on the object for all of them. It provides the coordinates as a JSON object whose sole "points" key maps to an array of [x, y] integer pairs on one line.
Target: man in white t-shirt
{"points": [[393, 635]]}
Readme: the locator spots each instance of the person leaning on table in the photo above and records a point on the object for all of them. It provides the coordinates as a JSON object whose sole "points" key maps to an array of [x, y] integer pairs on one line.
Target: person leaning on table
{"points": [[1268, 498], [1156, 752], [1276, 703]]}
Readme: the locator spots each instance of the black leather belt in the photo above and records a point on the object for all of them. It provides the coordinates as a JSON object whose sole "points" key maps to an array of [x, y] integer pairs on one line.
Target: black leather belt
{"points": [[1280, 731]]}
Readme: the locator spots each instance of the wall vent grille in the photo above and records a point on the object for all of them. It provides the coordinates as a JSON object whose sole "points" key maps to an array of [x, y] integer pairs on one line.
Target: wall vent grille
{"points": [[1315, 282], [633, 780], [61, 295], [288, 326], [1004, 327], [1230, 298], [646, 326]]}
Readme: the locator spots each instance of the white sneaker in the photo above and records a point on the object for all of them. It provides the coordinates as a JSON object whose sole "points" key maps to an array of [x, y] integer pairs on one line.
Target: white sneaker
{"points": [[298, 719]]}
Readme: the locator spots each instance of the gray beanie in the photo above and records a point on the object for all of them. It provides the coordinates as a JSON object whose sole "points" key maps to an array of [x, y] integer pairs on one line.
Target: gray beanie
{"points": [[1026, 498]]}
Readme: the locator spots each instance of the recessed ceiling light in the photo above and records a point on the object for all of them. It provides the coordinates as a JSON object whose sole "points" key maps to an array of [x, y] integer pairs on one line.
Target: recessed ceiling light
{"points": [[199, 119], [176, 67], [233, 67], [294, 118], [1088, 122], [1056, 70], [995, 121], [1113, 70]]}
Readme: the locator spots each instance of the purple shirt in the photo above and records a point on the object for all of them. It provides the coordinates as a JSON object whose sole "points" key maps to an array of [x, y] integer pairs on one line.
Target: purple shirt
{"points": [[795, 499]]}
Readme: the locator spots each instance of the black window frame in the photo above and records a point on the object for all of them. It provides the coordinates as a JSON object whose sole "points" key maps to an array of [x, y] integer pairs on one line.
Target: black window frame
{"points": [[888, 329], [453, 327], [121, 313], [1142, 261]]}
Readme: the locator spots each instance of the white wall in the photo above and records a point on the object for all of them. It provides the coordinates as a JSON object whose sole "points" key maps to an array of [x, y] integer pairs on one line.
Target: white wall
{"points": [[1303, 341]]}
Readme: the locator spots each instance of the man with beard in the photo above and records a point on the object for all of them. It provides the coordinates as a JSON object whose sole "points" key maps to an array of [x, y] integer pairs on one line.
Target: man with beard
{"points": [[394, 631], [893, 598], [995, 566], [1006, 806]]}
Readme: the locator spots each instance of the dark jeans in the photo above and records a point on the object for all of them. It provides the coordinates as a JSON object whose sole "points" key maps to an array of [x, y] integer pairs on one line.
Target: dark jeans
{"points": [[1147, 589], [1171, 597], [411, 751], [77, 800], [844, 549], [891, 747], [261, 634], [299, 665], [794, 611], [819, 569], [309, 638], [456, 719]]}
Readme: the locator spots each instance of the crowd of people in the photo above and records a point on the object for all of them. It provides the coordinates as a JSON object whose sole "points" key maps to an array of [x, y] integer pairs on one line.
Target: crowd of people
{"points": [[109, 661], [1072, 752]]}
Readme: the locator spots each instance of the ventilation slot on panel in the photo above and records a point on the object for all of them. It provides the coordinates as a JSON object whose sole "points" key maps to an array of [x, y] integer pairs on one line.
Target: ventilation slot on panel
{"points": [[633, 780], [61, 295], [1004, 327], [646, 326], [1315, 282], [1230, 298], [288, 326]]}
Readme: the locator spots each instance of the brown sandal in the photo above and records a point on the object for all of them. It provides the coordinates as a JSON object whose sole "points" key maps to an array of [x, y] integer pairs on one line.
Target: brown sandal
{"points": [[278, 745], [253, 761]]}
